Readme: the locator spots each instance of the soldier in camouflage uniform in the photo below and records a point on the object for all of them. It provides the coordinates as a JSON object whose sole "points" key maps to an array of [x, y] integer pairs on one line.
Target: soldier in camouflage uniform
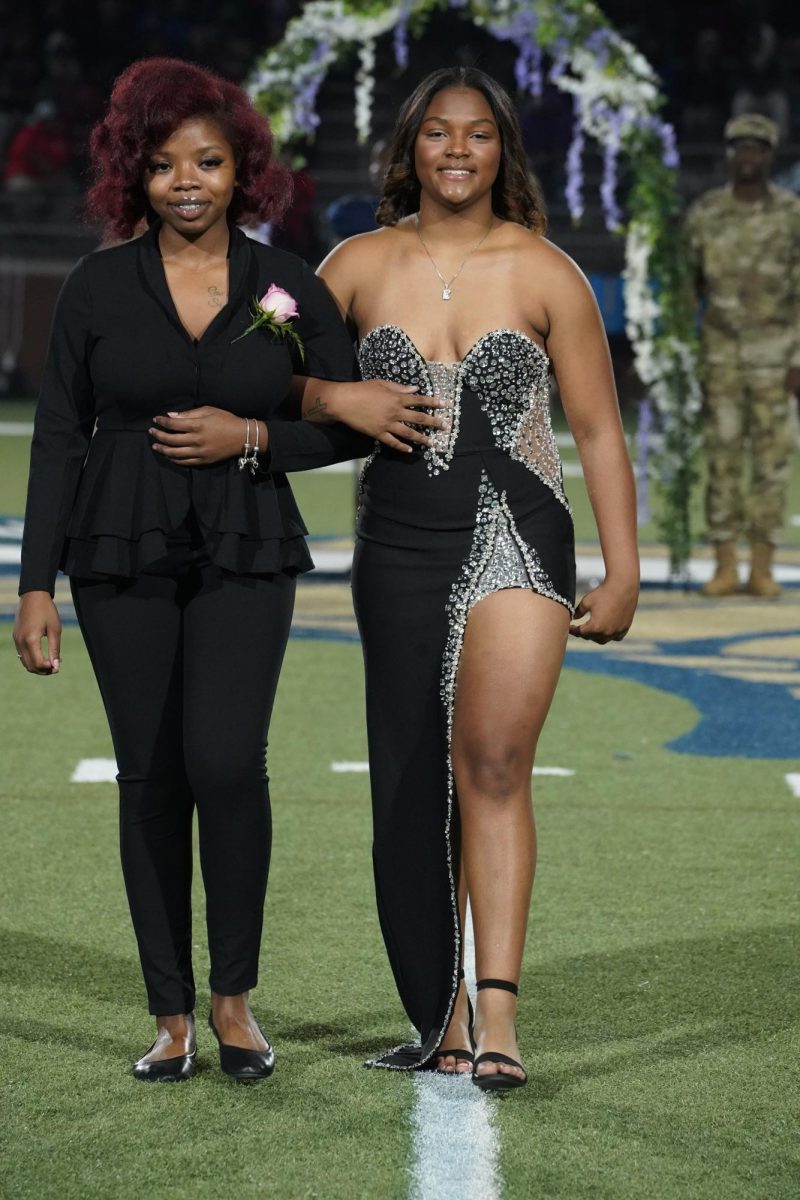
{"points": [[743, 242]]}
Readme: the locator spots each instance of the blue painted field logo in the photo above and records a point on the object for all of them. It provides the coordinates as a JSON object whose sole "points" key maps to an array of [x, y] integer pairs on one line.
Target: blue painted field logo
{"points": [[746, 688]]}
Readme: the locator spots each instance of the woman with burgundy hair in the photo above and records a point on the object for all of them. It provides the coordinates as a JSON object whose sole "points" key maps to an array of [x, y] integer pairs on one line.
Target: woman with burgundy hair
{"points": [[182, 568]]}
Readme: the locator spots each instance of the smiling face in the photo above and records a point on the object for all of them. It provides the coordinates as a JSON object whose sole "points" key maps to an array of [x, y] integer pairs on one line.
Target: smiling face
{"points": [[189, 179], [458, 150]]}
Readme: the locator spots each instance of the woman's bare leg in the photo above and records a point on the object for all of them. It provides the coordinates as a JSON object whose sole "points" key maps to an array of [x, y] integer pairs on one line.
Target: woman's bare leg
{"points": [[457, 1036], [510, 663]]}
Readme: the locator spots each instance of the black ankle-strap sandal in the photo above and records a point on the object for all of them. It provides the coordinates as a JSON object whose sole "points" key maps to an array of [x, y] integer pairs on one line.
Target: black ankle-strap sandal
{"points": [[460, 1055], [498, 1081]]}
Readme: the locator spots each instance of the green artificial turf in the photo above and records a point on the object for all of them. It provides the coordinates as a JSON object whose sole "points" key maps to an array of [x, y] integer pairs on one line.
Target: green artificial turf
{"points": [[657, 1014]]}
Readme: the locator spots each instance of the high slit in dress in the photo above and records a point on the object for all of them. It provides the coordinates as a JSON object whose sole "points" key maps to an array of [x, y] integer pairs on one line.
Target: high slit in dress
{"points": [[482, 509]]}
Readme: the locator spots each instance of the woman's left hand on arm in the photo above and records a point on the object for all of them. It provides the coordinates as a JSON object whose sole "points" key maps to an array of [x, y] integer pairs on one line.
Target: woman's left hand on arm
{"points": [[201, 436]]}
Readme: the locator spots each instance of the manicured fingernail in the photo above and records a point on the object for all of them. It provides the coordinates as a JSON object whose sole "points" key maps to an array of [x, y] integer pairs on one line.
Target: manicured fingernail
{"points": [[173, 414]]}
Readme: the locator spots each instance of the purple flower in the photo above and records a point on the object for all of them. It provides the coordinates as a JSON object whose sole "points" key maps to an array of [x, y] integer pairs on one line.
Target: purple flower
{"points": [[608, 186], [574, 189], [643, 435], [304, 109], [597, 42], [400, 38], [670, 156], [400, 44]]}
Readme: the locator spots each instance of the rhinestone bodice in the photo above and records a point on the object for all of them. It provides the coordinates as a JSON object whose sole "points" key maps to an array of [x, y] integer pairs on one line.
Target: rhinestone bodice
{"points": [[508, 374]]}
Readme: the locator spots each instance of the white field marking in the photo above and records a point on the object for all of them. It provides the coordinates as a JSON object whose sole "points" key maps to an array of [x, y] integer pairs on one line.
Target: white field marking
{"points": [[358, 767], [793, 781], [794, 519], [456, 1143], [95, 770], [572, 470], [353, 466], [590, 566], [16, 429], [10, 555], [350, 467]]}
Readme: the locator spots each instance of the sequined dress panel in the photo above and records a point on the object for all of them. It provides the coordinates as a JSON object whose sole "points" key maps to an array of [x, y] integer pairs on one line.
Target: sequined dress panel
{"points": [[440, 529]]}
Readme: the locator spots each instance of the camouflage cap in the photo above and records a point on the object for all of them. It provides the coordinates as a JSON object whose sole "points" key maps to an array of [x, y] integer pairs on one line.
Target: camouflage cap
{"points": [[752, 125]]}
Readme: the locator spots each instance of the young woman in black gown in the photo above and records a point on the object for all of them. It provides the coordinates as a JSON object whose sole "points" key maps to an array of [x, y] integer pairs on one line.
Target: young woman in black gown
{"points": [[182, 572], [464, 572]]}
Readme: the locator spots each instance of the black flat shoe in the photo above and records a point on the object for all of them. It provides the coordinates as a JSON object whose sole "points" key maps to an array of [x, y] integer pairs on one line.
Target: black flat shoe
{"points": [[243, 1064], [498, 1081], [167, 1070]]}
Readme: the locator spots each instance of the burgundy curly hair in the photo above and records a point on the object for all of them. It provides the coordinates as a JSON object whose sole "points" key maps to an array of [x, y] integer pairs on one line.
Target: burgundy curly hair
{"points": [[516, 194], [149, 100]]}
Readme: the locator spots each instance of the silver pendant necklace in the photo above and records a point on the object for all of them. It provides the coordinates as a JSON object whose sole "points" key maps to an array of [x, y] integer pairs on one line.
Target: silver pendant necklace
{"points": [[447, 284]]}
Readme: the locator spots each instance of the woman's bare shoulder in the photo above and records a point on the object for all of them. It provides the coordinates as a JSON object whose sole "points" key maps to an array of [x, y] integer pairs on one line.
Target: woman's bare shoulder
{"points": [[363, 250], [537, 250]]}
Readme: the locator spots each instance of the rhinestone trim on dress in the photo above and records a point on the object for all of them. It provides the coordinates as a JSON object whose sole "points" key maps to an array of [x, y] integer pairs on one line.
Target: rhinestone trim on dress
{"points": [[514, 388], [512, 385]]}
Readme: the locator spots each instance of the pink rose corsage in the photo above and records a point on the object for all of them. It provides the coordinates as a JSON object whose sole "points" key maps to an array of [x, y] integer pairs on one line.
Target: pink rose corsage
{"points": [[275, 311]]}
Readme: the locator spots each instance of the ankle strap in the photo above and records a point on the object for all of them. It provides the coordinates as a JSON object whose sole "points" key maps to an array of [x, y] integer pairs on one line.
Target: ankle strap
{"points": [[505, 985]]}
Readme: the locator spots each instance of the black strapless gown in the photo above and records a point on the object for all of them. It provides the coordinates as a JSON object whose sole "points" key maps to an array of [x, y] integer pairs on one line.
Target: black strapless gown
{"points": [[439, 530]]}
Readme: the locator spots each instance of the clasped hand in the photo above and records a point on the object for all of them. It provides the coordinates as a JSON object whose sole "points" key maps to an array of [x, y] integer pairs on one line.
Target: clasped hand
{"points": [[609, 609], [199, 436], [386, 412]]}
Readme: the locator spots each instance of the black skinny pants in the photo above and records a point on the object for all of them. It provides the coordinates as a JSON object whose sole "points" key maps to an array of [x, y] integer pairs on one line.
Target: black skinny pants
{"points": [[188, 662]]}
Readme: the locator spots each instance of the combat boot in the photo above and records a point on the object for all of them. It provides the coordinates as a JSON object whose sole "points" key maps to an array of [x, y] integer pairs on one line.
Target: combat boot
{"points": [[726, 578], [761, 582]]}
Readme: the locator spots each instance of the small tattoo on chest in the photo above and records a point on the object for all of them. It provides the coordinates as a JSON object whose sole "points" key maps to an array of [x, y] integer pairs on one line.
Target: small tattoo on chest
{"points": [[216, 299]]}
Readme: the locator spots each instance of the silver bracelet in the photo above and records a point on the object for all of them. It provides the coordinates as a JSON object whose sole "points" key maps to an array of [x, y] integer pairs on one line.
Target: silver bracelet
{"points": [[245, 458], [253, 461]]}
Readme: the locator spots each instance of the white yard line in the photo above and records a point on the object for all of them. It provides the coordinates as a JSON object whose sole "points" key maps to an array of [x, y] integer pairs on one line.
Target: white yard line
{"points": [[16, 429], [95, 770], [344, 768], [793, 781], [456, 1142]]}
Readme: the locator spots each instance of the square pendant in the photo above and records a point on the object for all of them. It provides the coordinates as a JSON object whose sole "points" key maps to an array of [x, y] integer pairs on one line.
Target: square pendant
{"points": [[446, 293]]}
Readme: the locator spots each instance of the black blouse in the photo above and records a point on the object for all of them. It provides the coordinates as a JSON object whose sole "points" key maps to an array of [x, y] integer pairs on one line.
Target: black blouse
{"points": [[100, 500]]}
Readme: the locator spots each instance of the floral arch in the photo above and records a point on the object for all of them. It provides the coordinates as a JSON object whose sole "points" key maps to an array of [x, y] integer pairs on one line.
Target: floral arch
{"points": [[617, 101]]}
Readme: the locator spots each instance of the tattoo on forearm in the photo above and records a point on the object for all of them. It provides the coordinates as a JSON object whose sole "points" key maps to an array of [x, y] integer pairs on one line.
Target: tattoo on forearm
{"points": [[215, 298], [316, 410]]}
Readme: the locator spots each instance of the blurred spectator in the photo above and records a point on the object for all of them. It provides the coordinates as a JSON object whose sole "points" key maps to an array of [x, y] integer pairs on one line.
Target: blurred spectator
{"points": [[299, 230], [546, 124], [705, 88], [355, 213], [77, 101], [760, 87], [36, 161]]}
